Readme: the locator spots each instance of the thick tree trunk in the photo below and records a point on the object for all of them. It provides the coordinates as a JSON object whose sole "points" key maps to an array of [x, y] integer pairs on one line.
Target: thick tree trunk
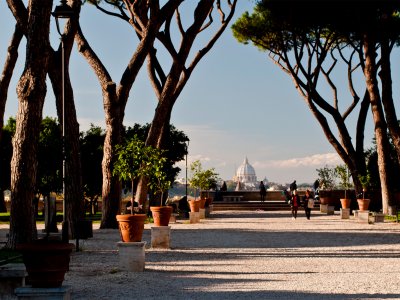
{"points": [[114, 102], [111, 193], [382, 141], [31, 92]]}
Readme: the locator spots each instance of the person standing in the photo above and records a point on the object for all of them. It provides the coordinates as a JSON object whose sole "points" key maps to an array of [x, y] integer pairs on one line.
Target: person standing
{"points": [[293, 186], [263, 191], [306, 200], [295, 203]]}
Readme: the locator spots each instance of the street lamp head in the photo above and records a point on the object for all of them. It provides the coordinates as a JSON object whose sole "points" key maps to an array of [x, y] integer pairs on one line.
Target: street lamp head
{"points": [[62, 11]]}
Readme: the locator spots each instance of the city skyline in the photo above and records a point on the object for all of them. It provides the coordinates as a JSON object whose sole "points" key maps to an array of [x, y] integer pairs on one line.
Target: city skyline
{"points": [[236, 104]]}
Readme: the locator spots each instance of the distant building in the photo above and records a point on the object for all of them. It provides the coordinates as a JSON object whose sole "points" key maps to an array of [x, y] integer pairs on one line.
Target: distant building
{"points": [[246, 178]]}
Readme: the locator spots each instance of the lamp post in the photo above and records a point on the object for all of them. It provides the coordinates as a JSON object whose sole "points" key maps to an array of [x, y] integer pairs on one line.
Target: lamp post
{"points": [[186, 183], [63, 11]]}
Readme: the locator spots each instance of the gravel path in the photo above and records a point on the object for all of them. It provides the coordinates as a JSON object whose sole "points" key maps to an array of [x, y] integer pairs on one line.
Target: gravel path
{"points": [[248, 255]]}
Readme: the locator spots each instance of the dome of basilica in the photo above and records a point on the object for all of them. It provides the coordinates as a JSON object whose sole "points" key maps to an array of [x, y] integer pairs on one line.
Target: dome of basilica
{"points": [[246, 173]]}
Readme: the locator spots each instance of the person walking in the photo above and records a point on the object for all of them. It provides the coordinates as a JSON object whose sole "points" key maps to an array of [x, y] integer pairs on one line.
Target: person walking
{"points": [[295, 203], [263, 191], [307, 201]]}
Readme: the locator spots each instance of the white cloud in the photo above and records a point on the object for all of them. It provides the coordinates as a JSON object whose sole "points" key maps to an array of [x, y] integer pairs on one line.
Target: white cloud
{"points": [[315, 160]]}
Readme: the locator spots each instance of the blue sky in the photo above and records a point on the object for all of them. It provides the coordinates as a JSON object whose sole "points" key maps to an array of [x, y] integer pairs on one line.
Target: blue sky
{"points": [[237, 103]]}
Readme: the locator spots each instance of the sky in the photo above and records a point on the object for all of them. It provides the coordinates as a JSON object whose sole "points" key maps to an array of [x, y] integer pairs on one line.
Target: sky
{"points": [[237, 103]]}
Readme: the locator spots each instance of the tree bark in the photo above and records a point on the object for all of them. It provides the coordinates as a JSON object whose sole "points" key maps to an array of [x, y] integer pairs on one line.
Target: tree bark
{"points": [[12, 56], [382, 141], [115, 99], [31, 92], [387, 96], [74, 200], [168, 88]]}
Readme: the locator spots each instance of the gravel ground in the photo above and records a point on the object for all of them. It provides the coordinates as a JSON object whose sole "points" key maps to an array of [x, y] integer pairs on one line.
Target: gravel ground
{"points": [[248, 254]]}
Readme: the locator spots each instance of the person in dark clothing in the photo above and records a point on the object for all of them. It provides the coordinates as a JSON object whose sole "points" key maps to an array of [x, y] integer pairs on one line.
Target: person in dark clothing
{"points": [[223, 187], [316, 185], [307, 198], [295, 203], [293, 186], [263, 191]]}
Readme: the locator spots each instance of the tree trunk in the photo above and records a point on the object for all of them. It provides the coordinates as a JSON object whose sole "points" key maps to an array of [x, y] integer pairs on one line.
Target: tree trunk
{"points": [[155, 138], [12, 56], [74, 201], [114, 102], [382, 141], [387, 96], [360, 156], [31, 92], [111, 193]]}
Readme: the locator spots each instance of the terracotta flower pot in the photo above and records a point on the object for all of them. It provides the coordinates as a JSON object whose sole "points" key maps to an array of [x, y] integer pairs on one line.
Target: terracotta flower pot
{"points": [[345, 202], [131, 227], [161, 215], [46, 262], [194, 205], [202, 203], [363, 204], [327, 200]]}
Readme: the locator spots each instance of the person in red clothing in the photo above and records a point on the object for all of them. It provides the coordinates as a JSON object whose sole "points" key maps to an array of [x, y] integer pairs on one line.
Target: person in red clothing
{"points": [[306, 199], [295, 203]]}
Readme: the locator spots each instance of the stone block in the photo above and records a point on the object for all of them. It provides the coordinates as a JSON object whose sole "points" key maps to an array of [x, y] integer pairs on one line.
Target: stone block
{"points": [[330, 210], [12, 276], [131, 256], [202, 213], [323, 208], [30, 293], [161, 237], [363, 216], [194, 217], [345, 213]]}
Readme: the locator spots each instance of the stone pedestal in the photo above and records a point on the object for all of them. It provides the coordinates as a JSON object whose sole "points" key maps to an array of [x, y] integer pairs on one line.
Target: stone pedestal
{"points": [[202, 213], [172, 219], [211, 207], [363, 216], [161, 237], [345, 213], [131, 256], [194, 217], [208, 211], [331, 210], [323, 208], [30, 293], [379, 218], [12, 276]]}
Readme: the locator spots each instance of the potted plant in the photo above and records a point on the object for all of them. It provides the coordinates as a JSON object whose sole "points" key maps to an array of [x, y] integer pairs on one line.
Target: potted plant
{"points": [[134, 159], [159, 183], [343, 173], [363, 203], [326, 177], [46, 261], [201, 180]]}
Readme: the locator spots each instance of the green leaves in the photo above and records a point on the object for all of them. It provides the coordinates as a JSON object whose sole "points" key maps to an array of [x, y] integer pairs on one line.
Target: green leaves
{"points": [[202, 179], [135, 159]]}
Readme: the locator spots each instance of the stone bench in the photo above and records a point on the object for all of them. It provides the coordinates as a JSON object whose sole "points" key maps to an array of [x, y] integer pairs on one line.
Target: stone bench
{"points": [[12, 276], [232, 198]]}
